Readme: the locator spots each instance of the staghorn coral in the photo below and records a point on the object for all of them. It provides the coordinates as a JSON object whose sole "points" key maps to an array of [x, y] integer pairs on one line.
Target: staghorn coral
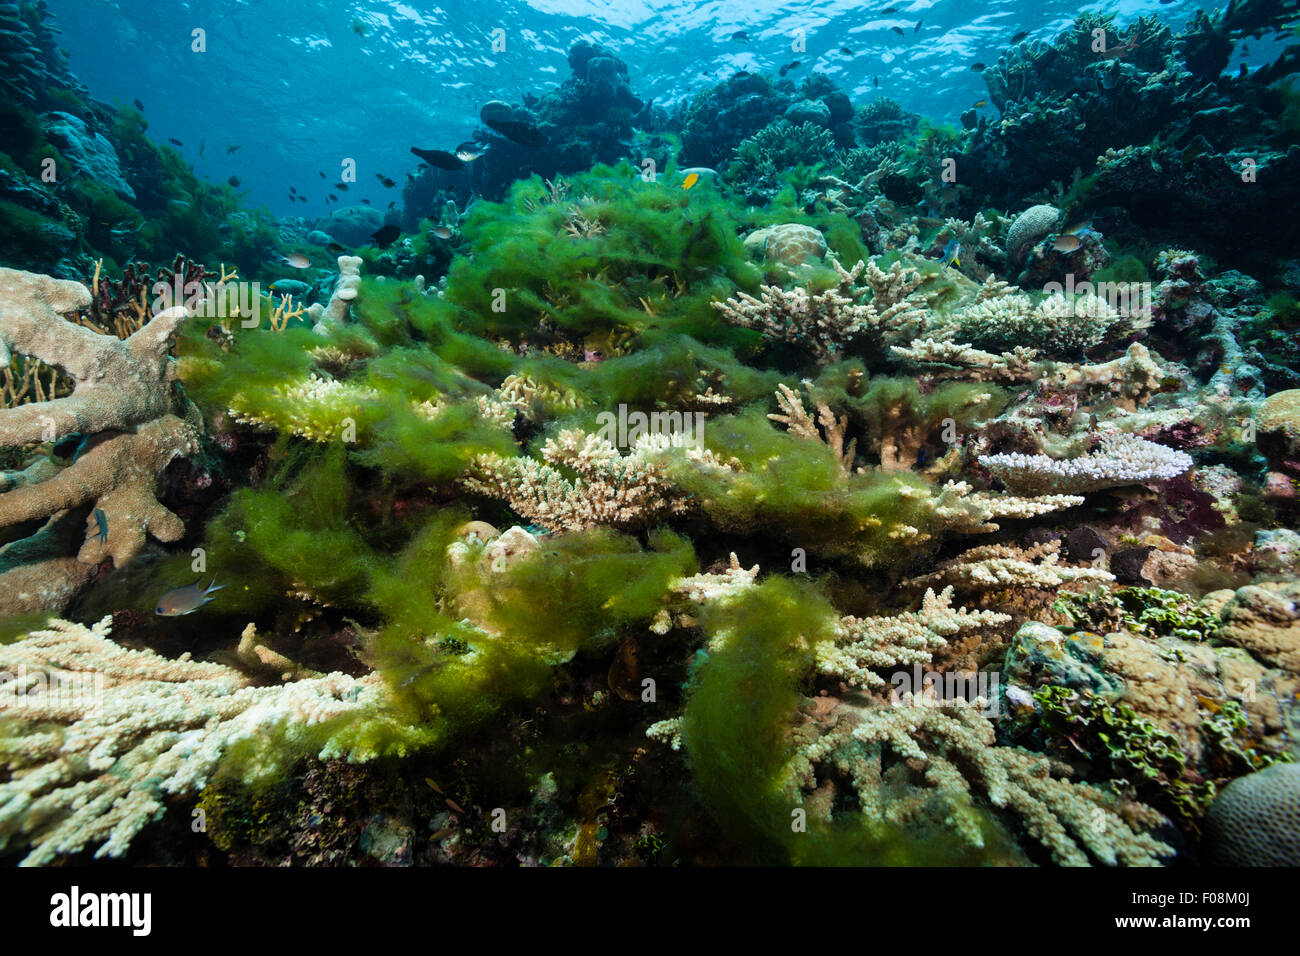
{"points": [[949, 749], [96, 738], [824, 323], [611, 489], [863, 645], [798, 422], [135, 423], [1119, 460], [997, 566]]}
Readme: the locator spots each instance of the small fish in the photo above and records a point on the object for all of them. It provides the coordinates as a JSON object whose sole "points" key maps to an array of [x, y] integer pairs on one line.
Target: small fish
{"points": [[292, 190], [202, 143], [385, 236], [234, 181], [442, 232], [887, 11], [845, 51], [917, 29], [341, 187], [365, 202], [336, 249], [952, 253], [297, 260], [186, 600], [899, 30], [980, 104], [138, 105], [1080, 229], [740, 36], [453, 804], [333, 198], [436, 788], [392, 204], [469, 151], [386, 182], [232, 150], [875, 81], [292, 197], [101, 520], [788, 67], [439, 158], [174, 141], [690, 180], [977, 67], [1019, 36], [322, 175], [1066, 243]]}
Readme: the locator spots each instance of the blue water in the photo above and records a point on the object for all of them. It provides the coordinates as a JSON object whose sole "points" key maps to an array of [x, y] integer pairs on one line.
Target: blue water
{"points": [[303, 85]]}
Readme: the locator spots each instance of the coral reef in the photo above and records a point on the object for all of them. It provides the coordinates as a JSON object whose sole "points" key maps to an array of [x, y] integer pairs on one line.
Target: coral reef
{"points": [[132, 425]]}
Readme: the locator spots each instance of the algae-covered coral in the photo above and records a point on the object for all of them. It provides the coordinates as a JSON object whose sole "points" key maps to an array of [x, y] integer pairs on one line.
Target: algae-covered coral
{"points": [[716, 484]]}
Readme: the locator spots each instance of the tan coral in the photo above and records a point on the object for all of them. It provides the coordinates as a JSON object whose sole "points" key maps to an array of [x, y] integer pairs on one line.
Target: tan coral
{"points": [[125, 400]]}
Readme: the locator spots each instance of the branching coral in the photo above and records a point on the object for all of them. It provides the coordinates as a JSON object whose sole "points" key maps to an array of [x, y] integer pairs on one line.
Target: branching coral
{"points": [[123, 401], [952, 748], [96, 738], [864, 645], [1119, 460], [611, 489], [997, 566], [824, 323]]}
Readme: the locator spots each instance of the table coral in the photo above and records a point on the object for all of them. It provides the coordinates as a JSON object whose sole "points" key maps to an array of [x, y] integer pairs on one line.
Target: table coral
{"points": [[1119, 460]]}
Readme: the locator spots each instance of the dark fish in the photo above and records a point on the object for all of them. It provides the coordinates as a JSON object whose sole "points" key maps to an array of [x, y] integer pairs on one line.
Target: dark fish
{"points": [[846, 51], [918, 25], [322, 176], [138, 105], [438, 157], [898, 30], [101, 520], [341, 187], [740, 36], [232, 150], [202, 143], [977, 67], [334, 197], [1019, 36], [292, 197], [888, 10], [234, 181], [875, 81], [525, 134], [788, 67], [174, 141], [186, 600], [384, 236], [385, 181], [335, 248], [392, 204]]}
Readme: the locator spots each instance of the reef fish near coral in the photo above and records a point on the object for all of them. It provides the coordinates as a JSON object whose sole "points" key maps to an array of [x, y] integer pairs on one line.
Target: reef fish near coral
{"points": [[186, 600]]}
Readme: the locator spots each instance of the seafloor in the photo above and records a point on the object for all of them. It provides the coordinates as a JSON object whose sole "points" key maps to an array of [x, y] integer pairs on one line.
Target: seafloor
{"points": [[840, 487]]}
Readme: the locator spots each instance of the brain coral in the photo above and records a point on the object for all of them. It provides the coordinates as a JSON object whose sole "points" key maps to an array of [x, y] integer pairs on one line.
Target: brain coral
{"points": [[1030, 226], [1256, 820]]}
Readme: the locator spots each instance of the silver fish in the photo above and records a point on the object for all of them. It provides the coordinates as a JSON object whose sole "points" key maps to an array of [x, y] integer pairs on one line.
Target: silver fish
{"points": [[186, 600]]}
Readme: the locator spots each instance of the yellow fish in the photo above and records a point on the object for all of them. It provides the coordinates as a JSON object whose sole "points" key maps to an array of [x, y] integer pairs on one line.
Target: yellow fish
{"points": [[690, 180], [980, 104]]}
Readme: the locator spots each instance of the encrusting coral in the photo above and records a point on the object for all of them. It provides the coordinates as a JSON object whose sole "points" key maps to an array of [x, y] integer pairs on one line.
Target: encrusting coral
{"points": [[133, 422]]}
